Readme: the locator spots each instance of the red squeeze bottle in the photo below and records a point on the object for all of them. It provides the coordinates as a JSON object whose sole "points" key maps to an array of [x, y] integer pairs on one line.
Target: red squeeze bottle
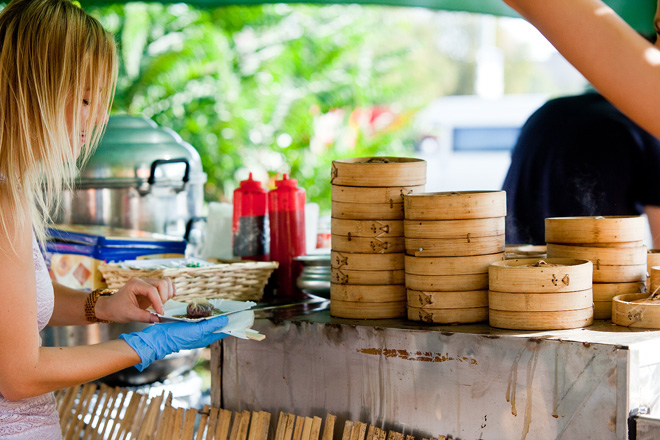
{"points": [[286, 211], [249, 227]]}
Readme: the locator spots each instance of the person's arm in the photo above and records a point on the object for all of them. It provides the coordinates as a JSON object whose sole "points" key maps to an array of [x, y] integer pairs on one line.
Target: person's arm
{"points": [[127, 305], [621, 64], [653, 214], [25, 368]]}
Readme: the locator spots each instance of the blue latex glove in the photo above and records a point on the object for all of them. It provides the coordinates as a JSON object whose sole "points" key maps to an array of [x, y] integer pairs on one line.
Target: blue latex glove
{"points": [[158, 340]]}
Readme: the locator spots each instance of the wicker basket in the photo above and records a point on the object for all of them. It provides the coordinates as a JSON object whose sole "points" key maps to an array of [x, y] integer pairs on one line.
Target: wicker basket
{"points": [[244, 281]]}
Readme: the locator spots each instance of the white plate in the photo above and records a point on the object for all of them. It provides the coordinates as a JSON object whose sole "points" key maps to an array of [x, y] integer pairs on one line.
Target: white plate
{"points": [[174, 309]]}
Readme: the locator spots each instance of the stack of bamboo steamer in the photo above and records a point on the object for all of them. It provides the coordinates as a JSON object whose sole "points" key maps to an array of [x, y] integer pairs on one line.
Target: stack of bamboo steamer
{"points": [[652, 260], [639, 310], [367, 255], [540, 294], [451, 238], [614, 244]]}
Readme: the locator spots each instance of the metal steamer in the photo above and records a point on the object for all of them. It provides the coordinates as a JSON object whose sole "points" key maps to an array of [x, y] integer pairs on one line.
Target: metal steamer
{"points": [[141, 177]]}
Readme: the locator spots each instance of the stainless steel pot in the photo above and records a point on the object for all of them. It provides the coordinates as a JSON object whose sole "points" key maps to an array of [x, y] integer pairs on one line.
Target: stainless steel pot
{"points": [[141, 177], [171, 365]]}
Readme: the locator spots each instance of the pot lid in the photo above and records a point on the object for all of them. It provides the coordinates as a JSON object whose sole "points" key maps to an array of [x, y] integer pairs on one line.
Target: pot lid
{"points": [[135, 151]]}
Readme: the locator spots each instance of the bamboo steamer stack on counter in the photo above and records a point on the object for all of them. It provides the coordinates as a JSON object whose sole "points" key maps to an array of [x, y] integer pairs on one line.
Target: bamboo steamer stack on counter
{"points": [[614, 244], [639, 310], [367, 255], [451, 238], [540, 294]]}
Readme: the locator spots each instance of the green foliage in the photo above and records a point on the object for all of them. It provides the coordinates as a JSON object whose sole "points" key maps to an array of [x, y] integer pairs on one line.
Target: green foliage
{"points": [[246, 85]]}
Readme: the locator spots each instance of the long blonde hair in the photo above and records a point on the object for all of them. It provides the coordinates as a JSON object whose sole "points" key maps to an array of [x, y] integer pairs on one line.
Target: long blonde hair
{"points": [[51, 54]]}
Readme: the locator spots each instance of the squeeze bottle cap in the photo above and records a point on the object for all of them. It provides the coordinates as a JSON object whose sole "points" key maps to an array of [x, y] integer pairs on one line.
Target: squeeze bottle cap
{"points": [[251, 185], [286, 182]]}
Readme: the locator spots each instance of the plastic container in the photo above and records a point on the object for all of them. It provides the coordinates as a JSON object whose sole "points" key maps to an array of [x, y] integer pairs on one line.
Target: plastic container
{"points": [[249, 226], [286, 211]]}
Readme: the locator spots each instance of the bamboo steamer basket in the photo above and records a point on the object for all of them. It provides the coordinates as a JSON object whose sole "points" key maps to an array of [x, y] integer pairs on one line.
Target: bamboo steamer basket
{"points": [[607, 229], [531, 275], [386, 194], [450, 265], [607, 291], [367, 211], [564, 319], [540, 302], [602, 309], [447, 300], [447, 283], [367, 228], [652, 259], [368, 277], [620, 256], [627, 313], [619, 274], [654, 280], [453, 229], [367, 310], [454, 247], [368, 245], [378, 171], [362, 293], [349, 261], [448, 316], [455, 205]]}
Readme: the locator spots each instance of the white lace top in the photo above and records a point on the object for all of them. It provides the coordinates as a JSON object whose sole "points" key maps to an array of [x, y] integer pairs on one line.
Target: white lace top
{"points": [[35, 417]]}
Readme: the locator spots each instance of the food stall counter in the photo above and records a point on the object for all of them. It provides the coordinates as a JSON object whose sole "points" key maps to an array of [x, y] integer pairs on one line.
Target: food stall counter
{"points": [[465, 381]]}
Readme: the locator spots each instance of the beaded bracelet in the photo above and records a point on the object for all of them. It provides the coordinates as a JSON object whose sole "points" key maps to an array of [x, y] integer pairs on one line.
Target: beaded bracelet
{"points": [[90, 304]]}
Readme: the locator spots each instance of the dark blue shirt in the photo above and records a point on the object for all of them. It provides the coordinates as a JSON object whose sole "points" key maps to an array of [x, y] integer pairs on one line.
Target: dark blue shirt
{"points": [[578, 156]]}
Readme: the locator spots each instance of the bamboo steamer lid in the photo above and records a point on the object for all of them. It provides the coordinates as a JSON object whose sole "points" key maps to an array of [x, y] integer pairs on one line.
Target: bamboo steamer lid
{"points": [[386, 194], [532, 275], [447, 300], [619, 274], [368, 245], [450, 265], [366, 310], [454, 247], [602, 309], [378, 171], [447, 283], [452, 229], [367, 211], [600, 229], [627, 313], [455, 205], [362, 293], [540, 302], [621, 256], [350, 261], [564, 319], [367, 228], [368, 277], [448, 316], [607, 291]]}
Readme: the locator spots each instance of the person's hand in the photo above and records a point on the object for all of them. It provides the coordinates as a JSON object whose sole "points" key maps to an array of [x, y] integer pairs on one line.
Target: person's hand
{"points": [[130, 302], [158, 340]]}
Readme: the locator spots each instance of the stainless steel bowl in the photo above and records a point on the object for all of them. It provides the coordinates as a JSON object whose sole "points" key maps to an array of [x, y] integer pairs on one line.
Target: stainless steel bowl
{"points": [[316, 274]]}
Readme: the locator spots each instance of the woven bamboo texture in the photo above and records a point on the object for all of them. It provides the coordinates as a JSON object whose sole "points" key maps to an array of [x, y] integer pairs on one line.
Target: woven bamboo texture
{"points": [[92, 412], [244, 281]]}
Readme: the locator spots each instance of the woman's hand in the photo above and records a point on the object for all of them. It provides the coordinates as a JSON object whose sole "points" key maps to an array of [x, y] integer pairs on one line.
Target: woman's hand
{"points": [[130, 302]]}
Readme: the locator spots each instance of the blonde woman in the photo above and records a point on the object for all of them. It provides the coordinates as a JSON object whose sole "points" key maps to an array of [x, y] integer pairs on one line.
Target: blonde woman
{"points": [[57, 74]]}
